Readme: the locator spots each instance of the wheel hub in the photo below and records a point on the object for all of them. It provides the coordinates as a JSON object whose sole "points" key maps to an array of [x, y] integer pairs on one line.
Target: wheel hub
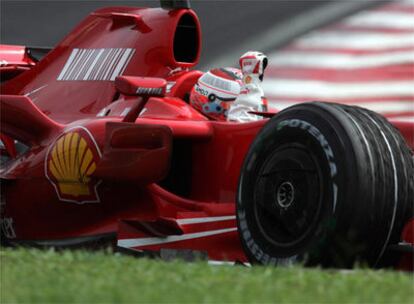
{"points": [[285, 194]]}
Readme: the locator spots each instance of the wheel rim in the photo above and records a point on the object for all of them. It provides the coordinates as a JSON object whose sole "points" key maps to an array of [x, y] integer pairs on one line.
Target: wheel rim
{"points": [[287, 200], [285, 194]]}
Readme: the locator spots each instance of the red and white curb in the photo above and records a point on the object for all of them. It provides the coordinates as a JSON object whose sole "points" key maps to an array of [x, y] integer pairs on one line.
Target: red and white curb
{"points": [[366, 59]]}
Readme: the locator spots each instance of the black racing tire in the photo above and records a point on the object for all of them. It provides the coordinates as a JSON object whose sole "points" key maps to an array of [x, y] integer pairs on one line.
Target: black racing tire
{"points": [[324, 184]]}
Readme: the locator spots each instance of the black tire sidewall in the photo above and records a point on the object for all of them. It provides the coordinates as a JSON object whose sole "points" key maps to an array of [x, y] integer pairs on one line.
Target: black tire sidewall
{"points": [[328, 142]]}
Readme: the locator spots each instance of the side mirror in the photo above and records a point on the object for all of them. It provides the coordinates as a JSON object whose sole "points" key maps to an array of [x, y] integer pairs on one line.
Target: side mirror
{"points": [[142, 86]]}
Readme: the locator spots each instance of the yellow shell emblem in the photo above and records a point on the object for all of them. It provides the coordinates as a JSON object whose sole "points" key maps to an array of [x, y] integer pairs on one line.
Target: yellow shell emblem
{"points": [[70, 164]]}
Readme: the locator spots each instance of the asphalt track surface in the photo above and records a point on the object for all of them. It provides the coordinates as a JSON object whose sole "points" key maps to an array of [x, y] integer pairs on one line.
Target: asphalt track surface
{"points": [[225, 24]]}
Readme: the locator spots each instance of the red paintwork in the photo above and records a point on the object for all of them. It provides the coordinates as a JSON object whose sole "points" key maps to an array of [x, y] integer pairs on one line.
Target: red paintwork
{"points": [[9, 147], [405, 126], [130, 155], [408, 232], [15, 55], [407, 259], [14, 60], [129, 85]]}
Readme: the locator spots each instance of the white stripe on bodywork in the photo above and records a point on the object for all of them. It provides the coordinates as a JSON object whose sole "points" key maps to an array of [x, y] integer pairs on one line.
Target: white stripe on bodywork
{"points": [[115, 61], [220, 263], [110, 63], [77, 61], [324, 90], [131, 53], [122, 64], [104, 65], [84, 63], [89, 71], [139, 242], [356, 40], [304, 59], [382, 19], [101, 66], [227, 263], [96, 64], [68, 64], [35, 90], [198, 220]]}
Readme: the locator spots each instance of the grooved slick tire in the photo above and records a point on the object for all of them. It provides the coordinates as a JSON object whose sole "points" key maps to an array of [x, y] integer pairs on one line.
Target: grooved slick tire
{"points": [[324, 184]]}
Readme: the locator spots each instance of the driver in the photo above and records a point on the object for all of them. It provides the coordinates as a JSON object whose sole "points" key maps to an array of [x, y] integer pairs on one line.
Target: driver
{"points": [[215, 91], [230, 94]]}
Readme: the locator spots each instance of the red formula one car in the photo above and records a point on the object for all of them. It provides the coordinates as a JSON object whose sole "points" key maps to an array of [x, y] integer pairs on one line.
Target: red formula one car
{"points": [[100, 143]]}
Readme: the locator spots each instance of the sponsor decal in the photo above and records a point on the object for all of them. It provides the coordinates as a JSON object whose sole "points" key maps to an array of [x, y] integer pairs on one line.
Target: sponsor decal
{"points": [[248, 79], [258, 252], [149, 91], [96, 64], [294, 123], [201, 90], [69, 164]]}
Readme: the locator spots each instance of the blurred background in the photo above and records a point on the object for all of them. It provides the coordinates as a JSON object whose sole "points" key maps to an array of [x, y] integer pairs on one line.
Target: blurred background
{"points": [[226, 24], [355, 52]]}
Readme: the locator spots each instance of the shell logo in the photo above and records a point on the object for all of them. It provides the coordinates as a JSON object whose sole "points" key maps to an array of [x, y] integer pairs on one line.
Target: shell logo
{"points": [[70, 162]]}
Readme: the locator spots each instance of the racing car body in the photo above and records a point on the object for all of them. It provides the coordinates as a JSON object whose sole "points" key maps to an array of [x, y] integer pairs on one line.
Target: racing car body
{"points": [[113, 150]]}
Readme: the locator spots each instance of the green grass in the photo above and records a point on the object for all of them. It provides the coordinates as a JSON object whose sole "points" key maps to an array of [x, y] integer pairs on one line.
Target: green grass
{"points": [[36, 276]]}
